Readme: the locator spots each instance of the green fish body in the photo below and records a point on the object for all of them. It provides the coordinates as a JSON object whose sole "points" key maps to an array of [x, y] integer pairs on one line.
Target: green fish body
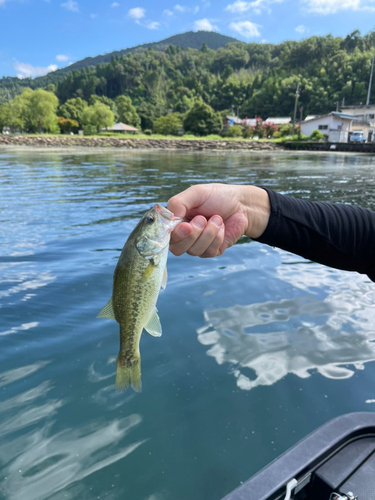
{"points": [[140, 273]]}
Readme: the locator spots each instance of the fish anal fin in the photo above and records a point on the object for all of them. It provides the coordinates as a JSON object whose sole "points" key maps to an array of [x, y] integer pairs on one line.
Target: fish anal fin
{"points": [[153, 326], [107, 311]]}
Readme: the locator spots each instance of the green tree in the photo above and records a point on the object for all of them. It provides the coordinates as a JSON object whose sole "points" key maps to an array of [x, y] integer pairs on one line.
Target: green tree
{"points": [[5, 116], [316, 135], [97, 117], [127, 112], [168, 125], [36, 110], [202, 120], [73, 110], [148, 113], [104, 100]]}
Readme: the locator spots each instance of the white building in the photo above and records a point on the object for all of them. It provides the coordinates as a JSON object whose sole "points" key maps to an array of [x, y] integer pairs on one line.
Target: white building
{"points": [[334, 126], [279, 120], [365, 121]]}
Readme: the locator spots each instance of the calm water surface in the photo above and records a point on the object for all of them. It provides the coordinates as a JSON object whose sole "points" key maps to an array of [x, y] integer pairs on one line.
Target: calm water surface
{"points": [[259, 347]]}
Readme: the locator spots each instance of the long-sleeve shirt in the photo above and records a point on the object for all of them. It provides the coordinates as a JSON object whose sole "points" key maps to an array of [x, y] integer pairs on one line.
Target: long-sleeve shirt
{"points": [[336, 235]]}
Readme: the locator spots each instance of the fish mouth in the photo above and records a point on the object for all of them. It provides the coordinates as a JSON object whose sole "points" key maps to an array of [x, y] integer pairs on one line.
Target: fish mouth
{"points": [[167, 214]]}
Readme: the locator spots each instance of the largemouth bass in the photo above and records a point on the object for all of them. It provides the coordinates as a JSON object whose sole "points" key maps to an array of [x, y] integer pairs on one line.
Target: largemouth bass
{"points": [[140, 273]]}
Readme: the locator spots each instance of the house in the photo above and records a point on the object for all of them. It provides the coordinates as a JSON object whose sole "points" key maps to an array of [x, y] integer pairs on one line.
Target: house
{"points": [[281, 120], [365, 121], [334, 126], [229, 121], [122, 127], [249, 122]]}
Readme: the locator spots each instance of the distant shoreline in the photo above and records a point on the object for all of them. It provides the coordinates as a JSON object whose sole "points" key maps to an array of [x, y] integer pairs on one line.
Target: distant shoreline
{"points": [[65, 141]]}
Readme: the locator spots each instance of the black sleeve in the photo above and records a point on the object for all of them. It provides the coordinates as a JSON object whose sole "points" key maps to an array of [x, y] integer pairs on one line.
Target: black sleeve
{"points": [[336, 235]]}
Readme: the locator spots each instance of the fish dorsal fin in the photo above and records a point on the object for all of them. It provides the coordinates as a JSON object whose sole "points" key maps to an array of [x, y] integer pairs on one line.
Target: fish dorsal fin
{"points": [[107, 311], [153, 326], [165, 278]]}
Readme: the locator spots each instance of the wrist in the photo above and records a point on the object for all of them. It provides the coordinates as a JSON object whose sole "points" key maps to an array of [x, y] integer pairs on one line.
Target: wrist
{"points": [[258, 210]]}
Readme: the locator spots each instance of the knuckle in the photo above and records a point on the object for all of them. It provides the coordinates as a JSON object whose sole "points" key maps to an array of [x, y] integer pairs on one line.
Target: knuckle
{"points": [[193, 253], [210, 252]]}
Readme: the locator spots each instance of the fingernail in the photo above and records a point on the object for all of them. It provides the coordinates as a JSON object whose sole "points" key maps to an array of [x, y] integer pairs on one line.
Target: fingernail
{"points": [[199, 223], [217, 220]]}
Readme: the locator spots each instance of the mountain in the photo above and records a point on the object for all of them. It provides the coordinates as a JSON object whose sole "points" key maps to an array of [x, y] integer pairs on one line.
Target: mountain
{"points": [[188, 40], [11, 86]]}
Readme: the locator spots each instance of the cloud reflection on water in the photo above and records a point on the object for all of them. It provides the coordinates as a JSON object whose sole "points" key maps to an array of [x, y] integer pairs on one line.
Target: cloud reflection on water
{"points": [[308, 334], [39, 462]]}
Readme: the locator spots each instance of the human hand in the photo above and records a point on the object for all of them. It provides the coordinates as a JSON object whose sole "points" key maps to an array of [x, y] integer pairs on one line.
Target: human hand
{"points": [[218, 215]]}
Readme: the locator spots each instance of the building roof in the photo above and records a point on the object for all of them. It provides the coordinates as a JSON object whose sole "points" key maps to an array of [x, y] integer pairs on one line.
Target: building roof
{"points": [[343, 116], [234, 119], [281, 120], [122, 127]]}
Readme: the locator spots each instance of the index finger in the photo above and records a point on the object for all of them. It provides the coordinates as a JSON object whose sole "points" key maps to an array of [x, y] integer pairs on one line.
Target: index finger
{"points": [[187, 200]]}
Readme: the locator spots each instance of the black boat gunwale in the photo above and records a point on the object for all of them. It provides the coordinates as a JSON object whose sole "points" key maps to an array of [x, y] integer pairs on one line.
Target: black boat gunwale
{"points": [[305, 456]]}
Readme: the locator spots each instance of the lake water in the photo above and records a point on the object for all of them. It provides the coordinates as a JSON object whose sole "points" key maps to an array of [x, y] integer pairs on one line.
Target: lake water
{"points": [[259, 346]]}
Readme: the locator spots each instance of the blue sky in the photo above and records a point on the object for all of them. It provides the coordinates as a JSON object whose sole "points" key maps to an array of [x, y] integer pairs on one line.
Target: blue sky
{"points": [[37, 36]]}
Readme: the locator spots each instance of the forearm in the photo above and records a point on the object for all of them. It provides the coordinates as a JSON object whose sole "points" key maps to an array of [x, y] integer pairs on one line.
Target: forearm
{"points": [[336, 235]]}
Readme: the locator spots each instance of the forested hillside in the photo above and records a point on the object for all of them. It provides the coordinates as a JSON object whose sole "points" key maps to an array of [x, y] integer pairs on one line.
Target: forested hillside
{"points": [[10, 86], [259, 79]]}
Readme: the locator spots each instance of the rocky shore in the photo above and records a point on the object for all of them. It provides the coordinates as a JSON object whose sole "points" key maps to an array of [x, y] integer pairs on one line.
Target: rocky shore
{"points": [[65, 141]]}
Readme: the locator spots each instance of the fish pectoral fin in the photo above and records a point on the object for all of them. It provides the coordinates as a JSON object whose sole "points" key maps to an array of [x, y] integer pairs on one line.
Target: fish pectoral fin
{"points": [[165, 278], [153, 326], [107, 311], [149, 270]]}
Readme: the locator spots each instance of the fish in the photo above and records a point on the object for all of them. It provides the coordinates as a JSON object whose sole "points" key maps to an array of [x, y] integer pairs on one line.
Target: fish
{"points": [[139, 275]]}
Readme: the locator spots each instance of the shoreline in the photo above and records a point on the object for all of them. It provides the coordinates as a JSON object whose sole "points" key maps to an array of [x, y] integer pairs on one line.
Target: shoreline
{"points": [[117, 142]]}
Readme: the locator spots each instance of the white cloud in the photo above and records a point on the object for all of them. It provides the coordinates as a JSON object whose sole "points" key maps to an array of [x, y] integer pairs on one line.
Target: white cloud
{"points": [[181, 8], [25, 70], [246, 29], [62, 57], [301, 29], [137, 13], [206, 4], [256, 5], [152, 25], [238, 6], [196, 10], [93, 16], [332, 6], [167, 12], [115, 4], [205, 25], [71, 5]]}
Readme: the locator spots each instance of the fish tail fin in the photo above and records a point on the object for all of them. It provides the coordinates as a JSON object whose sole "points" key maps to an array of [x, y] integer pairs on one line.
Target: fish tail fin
{"points": [[128, 373]]}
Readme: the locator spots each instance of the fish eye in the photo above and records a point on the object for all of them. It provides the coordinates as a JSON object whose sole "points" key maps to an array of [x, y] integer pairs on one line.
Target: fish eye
{"points": [[150, 219]]}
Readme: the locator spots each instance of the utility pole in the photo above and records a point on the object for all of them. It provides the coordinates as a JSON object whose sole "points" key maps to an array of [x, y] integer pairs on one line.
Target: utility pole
{"points": [[370, 82], [300, 121], [295, 109]]}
